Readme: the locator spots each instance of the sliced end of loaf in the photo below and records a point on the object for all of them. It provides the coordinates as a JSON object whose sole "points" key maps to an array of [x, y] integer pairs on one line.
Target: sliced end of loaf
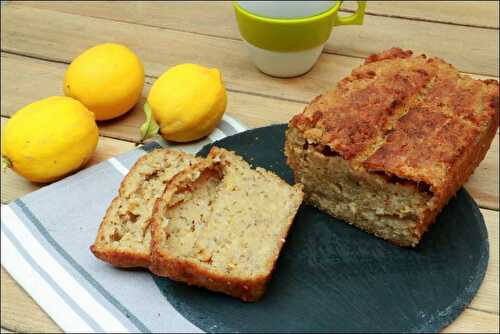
{"points": [[389, 208]]}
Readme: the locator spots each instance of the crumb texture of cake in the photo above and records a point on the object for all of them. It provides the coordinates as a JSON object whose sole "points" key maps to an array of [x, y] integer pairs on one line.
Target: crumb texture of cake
{"points": [[124, 236], [223, 226], [390, 145]]}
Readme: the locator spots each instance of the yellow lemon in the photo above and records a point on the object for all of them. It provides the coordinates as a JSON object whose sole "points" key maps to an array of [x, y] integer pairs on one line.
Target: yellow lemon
{"points": [[107, 78], [187, 101], [49, 138]]}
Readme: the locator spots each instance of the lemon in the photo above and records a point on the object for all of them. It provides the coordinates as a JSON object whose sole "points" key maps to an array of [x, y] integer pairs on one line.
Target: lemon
{"points": [[187, 101], [107, 78], [49, 138]]}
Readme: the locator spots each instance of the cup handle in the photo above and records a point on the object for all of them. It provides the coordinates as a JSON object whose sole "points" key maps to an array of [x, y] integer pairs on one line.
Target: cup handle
{"points": [[356, 18]]}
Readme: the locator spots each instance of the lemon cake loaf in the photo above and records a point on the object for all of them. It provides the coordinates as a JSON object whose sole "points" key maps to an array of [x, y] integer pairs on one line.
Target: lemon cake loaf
{"points": [[124, 236], [388, 147], [221, 225]]}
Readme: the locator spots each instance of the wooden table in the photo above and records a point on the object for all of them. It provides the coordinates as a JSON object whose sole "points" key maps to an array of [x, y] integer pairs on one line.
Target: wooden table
{"points": [[40, 39]]}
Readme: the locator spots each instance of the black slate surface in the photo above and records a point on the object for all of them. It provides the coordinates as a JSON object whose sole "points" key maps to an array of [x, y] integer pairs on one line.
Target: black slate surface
{"points": [[333, 277]]}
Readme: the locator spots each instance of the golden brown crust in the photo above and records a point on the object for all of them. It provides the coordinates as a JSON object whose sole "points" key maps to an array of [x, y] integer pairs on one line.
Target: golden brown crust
{"points": [[392, 53], [409, 117], [423, 147], [438, 130], [121, 259], [459, 173], [364, 105]]}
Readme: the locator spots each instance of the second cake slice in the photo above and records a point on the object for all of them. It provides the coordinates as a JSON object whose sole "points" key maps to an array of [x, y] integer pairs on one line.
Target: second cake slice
{"points": [[221, 225]]}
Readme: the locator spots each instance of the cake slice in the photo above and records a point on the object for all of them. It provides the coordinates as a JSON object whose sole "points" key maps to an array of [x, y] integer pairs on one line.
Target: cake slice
{"points": [[388, 147], [124, 236], [221, 225]]}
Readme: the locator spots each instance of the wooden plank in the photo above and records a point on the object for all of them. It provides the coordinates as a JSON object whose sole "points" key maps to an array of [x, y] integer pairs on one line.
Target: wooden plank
{"points": [[17, 83], [41, 39], [472, 321], [254, 111], [471, 13], [14, 186], [25, 80], [483, 184], [159, 49], [471, 49], [16, 304], [487, 298], [20, 313]]}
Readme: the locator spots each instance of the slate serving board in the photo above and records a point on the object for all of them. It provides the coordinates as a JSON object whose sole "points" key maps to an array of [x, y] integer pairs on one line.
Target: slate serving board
{"points": [[333, 277]]}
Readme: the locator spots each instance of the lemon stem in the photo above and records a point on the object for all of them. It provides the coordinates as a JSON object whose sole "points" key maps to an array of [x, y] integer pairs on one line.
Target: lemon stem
{"points": [[150, 128], [6, 163]]}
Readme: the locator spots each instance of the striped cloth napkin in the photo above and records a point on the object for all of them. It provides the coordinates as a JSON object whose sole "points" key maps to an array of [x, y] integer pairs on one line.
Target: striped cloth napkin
{"points": [[45, 239]]}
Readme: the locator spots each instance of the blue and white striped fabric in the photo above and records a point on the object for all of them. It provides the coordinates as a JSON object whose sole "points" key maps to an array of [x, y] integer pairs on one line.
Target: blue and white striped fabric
{"points": [[45, 239]]}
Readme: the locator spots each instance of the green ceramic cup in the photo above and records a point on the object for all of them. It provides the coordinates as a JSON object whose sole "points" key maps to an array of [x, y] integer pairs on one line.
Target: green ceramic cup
{"points": [[285, 38]]}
